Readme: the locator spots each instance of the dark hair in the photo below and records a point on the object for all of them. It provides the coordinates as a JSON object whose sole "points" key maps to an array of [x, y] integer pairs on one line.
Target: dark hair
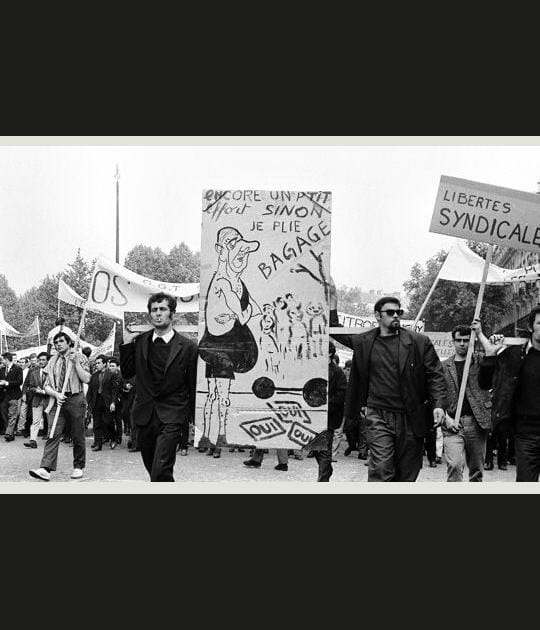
{"points": [[385, 300], [159, 297], [87, 351], [348, 363], [65, 336], [331, 348], [462, 330], [60, 321], [114, 360], [8, 356], [104, 358], [44, 354], [33, 355], [532, 316]]}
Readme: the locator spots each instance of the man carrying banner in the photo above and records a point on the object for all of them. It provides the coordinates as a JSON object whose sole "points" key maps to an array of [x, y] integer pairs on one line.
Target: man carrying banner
{"points": [[72, 405], [59, 326], [397, 376], [466, 442], [165, 364], [514, 375]]}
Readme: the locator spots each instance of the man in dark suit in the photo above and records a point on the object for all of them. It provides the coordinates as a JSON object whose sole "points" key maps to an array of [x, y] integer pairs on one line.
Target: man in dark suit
{"points": [[165, 364], [97, 404], [11, 379], [35, 392]]}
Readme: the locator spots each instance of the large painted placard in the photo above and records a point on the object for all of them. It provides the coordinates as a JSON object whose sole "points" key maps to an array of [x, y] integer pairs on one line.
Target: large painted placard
{"points": [[263, 323]]}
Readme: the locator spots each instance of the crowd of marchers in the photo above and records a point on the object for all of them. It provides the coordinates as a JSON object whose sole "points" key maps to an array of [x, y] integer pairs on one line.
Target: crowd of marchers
{"points": [[395, 401]]}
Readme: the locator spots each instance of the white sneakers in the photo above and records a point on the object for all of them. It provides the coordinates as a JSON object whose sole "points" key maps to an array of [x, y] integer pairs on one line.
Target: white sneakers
{"points": [[44, 475], [41, 473]]}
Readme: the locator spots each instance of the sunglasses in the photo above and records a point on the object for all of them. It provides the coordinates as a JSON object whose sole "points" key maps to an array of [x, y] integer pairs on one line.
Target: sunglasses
{"points": [[391, 312]]}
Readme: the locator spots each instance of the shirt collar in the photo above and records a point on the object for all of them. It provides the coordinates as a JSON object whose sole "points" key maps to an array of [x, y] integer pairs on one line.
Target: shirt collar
{"points": [[166, 338]]}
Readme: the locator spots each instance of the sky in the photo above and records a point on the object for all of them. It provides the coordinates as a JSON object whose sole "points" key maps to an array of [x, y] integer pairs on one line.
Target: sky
{"points": [[56, 199]]}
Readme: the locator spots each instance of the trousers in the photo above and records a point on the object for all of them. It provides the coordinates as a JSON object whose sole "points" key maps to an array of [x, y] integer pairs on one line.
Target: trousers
{"points": [[468, 445], [74, 409], [157, 442], [395, 453]]}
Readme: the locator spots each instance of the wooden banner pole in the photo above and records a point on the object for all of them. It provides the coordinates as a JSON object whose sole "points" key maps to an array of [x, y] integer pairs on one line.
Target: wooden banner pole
{"points": [[470, 350]]}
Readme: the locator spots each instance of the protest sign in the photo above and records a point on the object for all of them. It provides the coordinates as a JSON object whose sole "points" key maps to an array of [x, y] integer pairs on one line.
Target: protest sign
{"points": [[115, 290], [443, 344], [490, 214], [263, 329], [354, 321]]}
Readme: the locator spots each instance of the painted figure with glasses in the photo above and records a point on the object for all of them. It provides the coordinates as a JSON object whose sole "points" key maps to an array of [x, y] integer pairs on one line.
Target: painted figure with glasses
{"points": [[398, 380]]}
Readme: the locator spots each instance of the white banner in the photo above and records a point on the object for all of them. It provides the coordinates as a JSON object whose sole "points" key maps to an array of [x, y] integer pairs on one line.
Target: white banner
{"points": [[68, 295], [116, 290], [354, 321], [6, 329]]}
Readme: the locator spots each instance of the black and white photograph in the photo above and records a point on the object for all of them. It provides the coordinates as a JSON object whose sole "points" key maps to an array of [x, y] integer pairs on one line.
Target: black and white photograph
{"points": [[256, 314]]}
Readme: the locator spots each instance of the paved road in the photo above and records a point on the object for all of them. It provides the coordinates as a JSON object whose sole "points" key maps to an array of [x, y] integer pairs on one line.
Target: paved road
{"points": [[120, 465]]}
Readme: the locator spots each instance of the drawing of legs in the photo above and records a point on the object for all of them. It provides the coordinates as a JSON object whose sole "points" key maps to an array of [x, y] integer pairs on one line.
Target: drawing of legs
{"points": [[223, 388], [209, 408]]}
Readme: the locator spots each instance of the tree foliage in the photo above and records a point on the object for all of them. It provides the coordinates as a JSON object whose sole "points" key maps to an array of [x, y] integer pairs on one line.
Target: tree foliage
{"points": [[350, 301], [451, 303]]}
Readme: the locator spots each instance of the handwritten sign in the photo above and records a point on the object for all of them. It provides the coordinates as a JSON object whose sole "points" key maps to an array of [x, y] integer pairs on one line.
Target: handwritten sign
{"points": [[116, 290], [490, 214], [263, 320], [354, 321]]}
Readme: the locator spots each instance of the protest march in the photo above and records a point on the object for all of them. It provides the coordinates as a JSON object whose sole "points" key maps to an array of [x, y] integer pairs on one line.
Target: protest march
{"points": [[259, 364]]}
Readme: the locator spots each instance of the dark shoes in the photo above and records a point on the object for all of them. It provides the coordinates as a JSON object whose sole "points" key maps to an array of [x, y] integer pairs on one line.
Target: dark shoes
{"points": [[348, 451], [502, 466], [250, 463], [362, 455], [20, 434], [488, 466], [113, 445], [282, 467], [433, 464], [8, 438], [183, 452], [31, 444], [97, 447], [438, 460]]}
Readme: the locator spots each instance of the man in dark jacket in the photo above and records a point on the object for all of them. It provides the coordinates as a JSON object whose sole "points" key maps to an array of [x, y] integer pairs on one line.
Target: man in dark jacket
{"points": [[398, 378], [337, 387], [514, 374], [165, 364], [11, 379], [467, 441], [98, 400]]}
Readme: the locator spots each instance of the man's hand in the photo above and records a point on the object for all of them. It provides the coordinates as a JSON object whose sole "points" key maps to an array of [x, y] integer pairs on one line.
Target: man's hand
{"points": [[129, 336], [438, 417], [492, 345], [60, 398], [73, 356], [112, 407]]}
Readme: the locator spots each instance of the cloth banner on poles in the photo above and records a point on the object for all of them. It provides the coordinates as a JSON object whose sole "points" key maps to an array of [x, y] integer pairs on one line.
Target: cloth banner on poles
{"points": [[68, 295], [6, 329], [115, 290], [33, 329], [107, 347]]}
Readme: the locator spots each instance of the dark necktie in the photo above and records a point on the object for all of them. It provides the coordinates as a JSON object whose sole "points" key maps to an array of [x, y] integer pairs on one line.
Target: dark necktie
{"points": [[159, 340], [62, 373]]}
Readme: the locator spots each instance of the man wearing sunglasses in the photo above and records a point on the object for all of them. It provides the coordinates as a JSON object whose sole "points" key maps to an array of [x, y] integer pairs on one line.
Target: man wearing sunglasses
{"points": [[398, 380]]}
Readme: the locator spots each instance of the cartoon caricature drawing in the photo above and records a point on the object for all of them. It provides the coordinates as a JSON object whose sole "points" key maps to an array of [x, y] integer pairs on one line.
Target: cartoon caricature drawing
{"points": [[267, 339], [227, 345]]}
